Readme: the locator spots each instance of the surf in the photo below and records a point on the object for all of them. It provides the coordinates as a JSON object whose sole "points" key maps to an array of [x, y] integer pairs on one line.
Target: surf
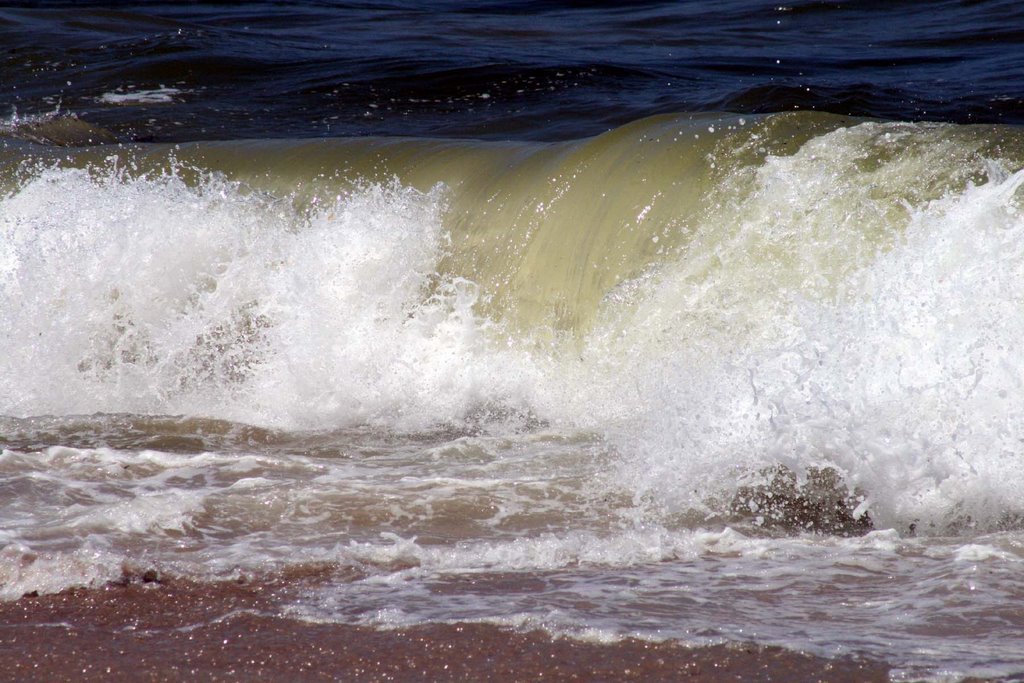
{"points": [[717, 296]]}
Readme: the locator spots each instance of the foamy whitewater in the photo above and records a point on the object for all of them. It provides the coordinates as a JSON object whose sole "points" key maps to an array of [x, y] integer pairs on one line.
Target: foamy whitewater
{"points": [[703, 378]]}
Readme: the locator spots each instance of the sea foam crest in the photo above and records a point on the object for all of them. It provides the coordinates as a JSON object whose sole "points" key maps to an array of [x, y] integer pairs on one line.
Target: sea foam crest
{"points": [[148, 295], [906, 379]]}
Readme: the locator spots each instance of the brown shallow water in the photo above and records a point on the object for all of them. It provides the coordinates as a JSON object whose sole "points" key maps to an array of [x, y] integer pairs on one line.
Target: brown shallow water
{"points": [[164, 631]]}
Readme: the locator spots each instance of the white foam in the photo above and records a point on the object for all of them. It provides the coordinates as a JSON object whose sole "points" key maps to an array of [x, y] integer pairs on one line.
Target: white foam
{"points": [[23, 571], [978, 552], [129, 96], [898, 364], [146, 295], [572, 549], [141, 514]]}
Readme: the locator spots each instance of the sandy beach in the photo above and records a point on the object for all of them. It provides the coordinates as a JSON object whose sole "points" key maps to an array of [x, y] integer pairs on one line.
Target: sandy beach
{"points": [[165, 631]]}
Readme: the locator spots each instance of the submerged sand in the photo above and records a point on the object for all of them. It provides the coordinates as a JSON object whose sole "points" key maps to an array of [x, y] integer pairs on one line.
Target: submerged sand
{"points": [[166, 631]]}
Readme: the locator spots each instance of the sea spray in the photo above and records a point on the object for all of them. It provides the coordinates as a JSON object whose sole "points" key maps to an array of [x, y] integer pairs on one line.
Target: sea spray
{"points": [[897, 370], [144, 294]]}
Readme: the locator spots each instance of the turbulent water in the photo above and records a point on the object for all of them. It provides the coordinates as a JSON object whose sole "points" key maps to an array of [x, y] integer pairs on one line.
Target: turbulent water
{"points": [[702, 377]]}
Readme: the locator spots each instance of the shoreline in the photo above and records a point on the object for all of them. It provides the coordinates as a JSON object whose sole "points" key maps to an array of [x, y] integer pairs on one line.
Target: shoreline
{"points": [[165, 631]]}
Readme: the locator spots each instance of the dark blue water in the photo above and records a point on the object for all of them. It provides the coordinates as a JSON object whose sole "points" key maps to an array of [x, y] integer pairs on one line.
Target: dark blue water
{"points": [[501, 70]]}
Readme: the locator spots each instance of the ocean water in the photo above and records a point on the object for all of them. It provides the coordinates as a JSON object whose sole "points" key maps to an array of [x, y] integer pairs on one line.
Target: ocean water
{"points": [[686, 321]]}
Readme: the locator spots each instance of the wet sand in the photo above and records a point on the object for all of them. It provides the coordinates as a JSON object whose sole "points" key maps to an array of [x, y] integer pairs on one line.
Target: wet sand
{"points": [[166, 631]]}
